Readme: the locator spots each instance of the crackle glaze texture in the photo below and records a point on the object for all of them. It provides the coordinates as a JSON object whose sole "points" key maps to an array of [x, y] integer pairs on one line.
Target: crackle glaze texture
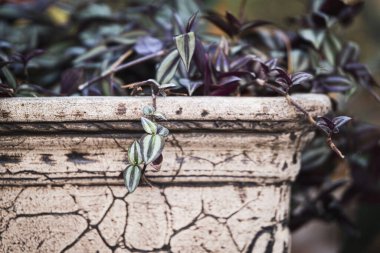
{"points": [[224, 185]]}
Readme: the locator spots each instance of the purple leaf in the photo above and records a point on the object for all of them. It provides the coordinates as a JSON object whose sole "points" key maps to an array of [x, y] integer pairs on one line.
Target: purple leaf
{"points": [[271, 64], [245, 60], [220, 58], [325, 124], [232, 20], [350, 53], [147, 45], [225, 90], [191, 22], [70, 80], [228, 80], [202, 62], [281, 73], [32, 54], [156, 164], [254, 24], [300, 78], [340, 121], [191, 86], [219, 21]]}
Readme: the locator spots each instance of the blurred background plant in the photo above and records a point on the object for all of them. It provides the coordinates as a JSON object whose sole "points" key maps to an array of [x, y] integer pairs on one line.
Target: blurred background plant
{"points": [[53, 47]]}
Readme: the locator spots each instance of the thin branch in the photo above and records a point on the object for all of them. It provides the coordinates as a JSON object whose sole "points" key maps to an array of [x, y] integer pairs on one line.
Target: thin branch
{"points": [[112, 71], [311, 120]]}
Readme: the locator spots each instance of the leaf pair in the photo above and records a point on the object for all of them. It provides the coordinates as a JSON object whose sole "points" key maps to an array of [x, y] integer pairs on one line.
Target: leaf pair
{"points": [[148, 150], [332, 126]]}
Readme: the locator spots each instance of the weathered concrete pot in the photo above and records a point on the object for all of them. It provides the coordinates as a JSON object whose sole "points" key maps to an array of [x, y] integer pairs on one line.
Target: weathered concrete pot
{"points": [[224, 185]]}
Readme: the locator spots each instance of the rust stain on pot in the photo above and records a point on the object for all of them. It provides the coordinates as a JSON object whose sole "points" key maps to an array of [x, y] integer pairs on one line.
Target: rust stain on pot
{"points": [[78, 114], [10, 159], [179, 111], [46, 158], [121, 109], [5, 114], [79, 158], [204, 113]]}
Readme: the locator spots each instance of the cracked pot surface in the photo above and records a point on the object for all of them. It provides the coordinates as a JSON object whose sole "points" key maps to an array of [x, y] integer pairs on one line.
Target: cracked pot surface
{"points": [[224, 185]]}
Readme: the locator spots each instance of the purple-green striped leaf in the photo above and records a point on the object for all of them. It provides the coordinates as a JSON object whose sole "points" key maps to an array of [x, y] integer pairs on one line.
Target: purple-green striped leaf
{"points": [[134, 154], [186, 45], [132, 177], [149, 126], [151, 147], [168, 67]]}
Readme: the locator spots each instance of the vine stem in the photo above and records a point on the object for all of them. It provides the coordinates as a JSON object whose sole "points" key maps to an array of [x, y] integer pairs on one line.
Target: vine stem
{"points": [[117, 68], [310, 118]]}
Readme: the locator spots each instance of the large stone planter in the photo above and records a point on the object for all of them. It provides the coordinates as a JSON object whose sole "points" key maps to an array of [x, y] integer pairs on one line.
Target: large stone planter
{"points": [[224, 185]]}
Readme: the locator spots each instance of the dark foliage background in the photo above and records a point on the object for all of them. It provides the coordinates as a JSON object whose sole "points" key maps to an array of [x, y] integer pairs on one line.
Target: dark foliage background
{"points": [[53, 47]]}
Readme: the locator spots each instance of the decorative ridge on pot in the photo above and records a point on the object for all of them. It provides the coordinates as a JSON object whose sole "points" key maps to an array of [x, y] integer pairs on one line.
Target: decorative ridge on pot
{"points": [[45, 139], [17, 111]]}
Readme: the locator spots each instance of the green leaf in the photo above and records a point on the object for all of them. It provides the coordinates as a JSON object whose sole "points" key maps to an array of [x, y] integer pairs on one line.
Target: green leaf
{"points": [[149, 126], [9, 76], [167, 85], [151, 147], [163, 131], [159, 116], [186, 45], [168, 67], [314, 37], [92, 53], [132, 177], [148, 110], [134, 153]]}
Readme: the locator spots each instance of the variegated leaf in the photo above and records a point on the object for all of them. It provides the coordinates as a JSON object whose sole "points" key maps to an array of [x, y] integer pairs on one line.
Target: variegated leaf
{"points": [[168, 67], [159, 116], [186, 45], [134, 153], [163, 131], [132, 177], [149, 126], [151, 147], [148, 110]]}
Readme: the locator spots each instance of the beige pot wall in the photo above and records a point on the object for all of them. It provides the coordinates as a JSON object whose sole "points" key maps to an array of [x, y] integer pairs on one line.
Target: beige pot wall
{"points": [[224, 185]]}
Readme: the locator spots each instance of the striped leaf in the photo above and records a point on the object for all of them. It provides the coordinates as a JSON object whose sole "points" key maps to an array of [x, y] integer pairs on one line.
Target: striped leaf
{"points": [[132, 177], [186, 45], [149, 126], [134, 153], [9, 76], [163, 131], [151, 147], [148, 110], [168, 67], [159, 116]]}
